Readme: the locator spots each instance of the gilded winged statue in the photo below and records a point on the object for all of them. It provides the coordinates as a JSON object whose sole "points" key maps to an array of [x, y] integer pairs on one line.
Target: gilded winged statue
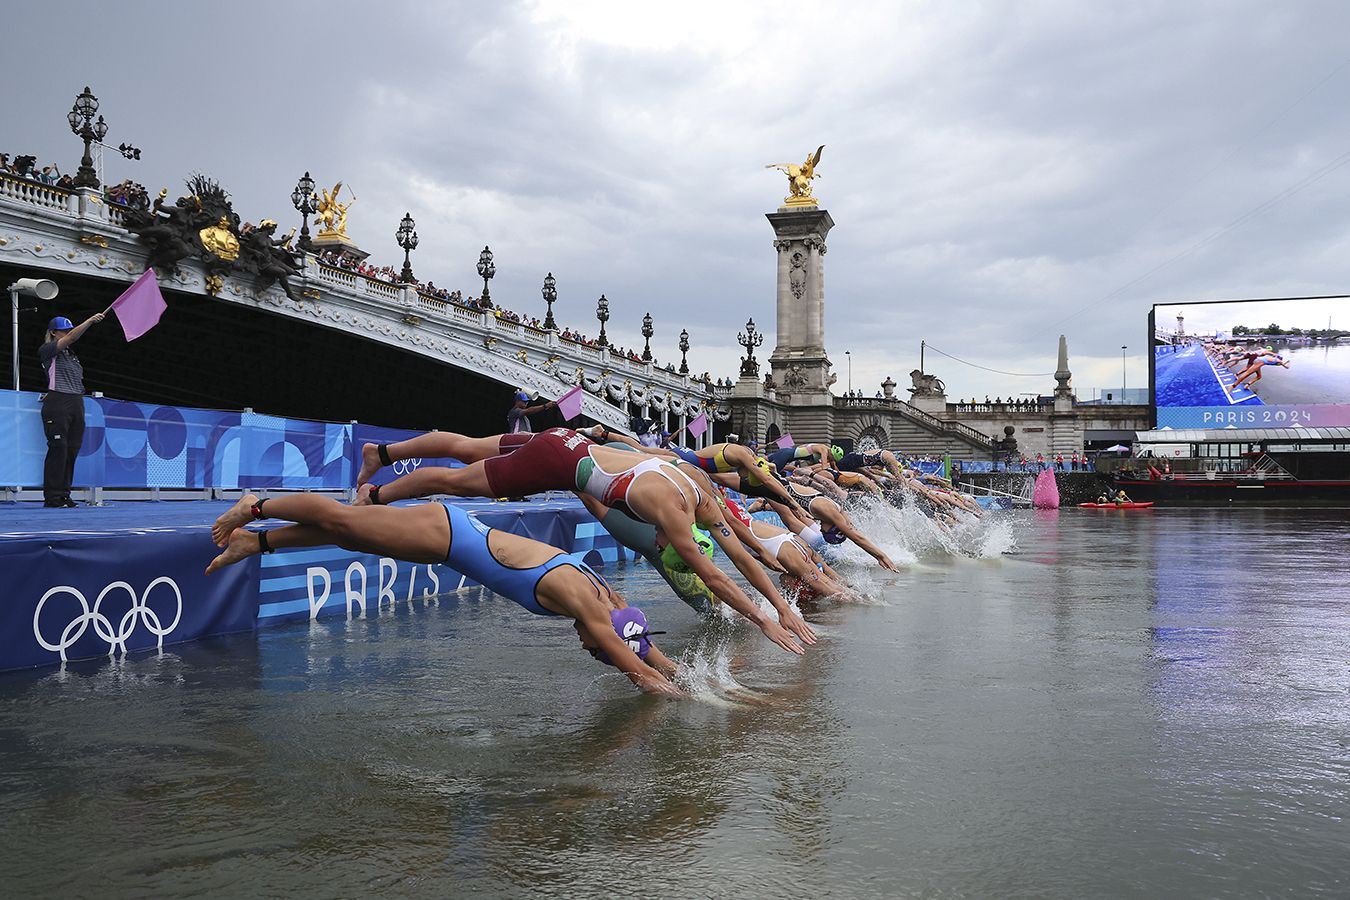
{"points": [[332, 213], [800, 177]]}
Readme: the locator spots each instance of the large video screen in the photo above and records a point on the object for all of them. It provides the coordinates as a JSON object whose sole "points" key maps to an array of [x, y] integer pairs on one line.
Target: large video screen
{"points": [[1252, 363]]}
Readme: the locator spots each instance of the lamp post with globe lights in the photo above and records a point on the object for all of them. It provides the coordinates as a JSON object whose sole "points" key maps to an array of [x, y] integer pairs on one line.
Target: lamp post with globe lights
{"points": [[407, 239], [750, 339], [647, 332], [684, 351], [485, 271], [306, 203], [602, 313], [550, 292], [81, 119]]}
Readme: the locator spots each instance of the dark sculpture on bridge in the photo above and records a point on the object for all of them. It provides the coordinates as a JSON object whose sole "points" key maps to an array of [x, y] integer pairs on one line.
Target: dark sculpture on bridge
{"points": [[203, 225], [270, 261]]}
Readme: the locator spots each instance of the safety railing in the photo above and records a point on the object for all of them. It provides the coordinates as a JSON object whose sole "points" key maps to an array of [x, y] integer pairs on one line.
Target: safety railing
{"points": [[36, 193]]}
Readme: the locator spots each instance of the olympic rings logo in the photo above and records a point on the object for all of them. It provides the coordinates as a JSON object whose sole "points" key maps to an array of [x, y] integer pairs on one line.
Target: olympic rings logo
{"points": [[405, 466], [103, 627]]}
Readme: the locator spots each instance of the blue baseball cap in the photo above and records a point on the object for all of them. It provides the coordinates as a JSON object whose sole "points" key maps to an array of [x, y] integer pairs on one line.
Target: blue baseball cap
{"points": [[60, 323], [521, 395], [631, 625]]}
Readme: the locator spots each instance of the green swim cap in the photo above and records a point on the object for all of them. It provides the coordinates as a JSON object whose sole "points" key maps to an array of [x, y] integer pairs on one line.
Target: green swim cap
{"points": [[672, 559], [837, 452]]}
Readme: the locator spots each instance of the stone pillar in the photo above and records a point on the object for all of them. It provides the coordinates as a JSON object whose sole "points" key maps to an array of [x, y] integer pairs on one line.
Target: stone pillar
{"points": [[784, 310], [800, 365]]}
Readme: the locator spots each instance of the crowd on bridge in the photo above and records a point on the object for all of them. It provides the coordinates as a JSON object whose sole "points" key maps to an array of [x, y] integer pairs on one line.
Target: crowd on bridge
{"points": [[27, 167]]}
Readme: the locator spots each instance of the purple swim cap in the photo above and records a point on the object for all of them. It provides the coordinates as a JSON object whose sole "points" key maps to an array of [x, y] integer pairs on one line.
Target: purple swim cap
{"points": [[833, 535], [630, 625]]}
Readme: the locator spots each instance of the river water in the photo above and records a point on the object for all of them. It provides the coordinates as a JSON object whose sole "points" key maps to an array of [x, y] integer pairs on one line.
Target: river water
{"points": [[1059, 704]]}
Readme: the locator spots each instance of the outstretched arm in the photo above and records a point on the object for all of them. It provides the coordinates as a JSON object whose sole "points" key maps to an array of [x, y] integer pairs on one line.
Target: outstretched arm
{"points": [[78, 331], [598, 626], [840, 520], [676, 529], [726, 538]]}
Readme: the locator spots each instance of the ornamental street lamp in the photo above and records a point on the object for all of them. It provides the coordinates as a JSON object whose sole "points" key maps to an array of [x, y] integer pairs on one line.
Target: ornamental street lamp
{"points": [[81, 119], [684, 352], [407, 239], [647, 332], [306, 203], [750, 339], [602, 313], [550, 292], [485, 271]]}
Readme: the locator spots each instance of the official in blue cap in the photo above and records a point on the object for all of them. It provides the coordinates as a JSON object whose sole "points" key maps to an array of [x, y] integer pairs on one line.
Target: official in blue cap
{"points": [[518, 416], [62, 407]]}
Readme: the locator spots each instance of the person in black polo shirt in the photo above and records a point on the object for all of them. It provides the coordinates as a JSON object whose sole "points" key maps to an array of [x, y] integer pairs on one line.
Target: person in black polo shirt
{"points": [[62, 407]]}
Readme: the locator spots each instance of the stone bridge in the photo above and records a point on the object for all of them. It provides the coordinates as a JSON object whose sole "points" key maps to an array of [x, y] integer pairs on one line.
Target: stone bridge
{"points": [[46, 231]]}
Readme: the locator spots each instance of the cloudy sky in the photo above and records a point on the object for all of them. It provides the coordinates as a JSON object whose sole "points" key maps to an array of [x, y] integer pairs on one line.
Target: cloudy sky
{"points": [[999, 173]]}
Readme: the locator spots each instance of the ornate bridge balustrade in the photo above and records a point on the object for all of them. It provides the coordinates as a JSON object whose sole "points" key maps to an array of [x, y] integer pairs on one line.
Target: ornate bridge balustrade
{"points": [[51, 231]]}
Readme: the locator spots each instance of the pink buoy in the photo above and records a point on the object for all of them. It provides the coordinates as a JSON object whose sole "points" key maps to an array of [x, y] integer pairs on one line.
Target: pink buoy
{"points": [[1045, 495]]}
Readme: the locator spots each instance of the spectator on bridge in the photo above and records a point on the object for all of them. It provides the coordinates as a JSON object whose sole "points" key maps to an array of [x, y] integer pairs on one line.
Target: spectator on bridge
{"points": [[518, 416], [1073, 460], [1059, 462], [62, 407]]}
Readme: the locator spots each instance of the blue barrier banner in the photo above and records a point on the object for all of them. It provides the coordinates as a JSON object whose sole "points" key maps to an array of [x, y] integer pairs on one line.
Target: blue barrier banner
{"points": [[318, 582], [144, 445], [108, 595]]}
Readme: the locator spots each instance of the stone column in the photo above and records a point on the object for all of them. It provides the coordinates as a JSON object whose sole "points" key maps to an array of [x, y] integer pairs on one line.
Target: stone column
{"points": [[814, 306], [799, 363], [784, 309]]}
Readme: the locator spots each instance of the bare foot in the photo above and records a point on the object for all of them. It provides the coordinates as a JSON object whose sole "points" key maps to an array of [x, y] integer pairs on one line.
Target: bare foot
{"points": [[233, 518], [370, 463], [363, 494], [241, 545]]}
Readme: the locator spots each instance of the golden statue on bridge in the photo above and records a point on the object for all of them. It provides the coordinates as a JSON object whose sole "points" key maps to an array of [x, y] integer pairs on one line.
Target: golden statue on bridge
{"points": [[332, 212], [800, 178]]}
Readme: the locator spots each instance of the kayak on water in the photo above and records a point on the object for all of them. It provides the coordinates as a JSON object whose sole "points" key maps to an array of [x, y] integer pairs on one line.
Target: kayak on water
{"points": [[1130, 505]]}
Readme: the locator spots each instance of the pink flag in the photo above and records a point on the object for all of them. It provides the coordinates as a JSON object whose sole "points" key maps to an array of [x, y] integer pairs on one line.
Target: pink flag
{"points": [[785, 441], [569, 404], [699, 425], [140, 306]]}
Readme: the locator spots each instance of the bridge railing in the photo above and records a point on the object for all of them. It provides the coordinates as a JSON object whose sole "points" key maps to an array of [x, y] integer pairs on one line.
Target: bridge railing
{"points": [[36, 193], [914, 414]]}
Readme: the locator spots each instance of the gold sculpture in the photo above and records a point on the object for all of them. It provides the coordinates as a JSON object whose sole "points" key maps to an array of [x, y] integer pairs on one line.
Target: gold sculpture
{"points": [[219, 241], [799, 179], [332, 213]]}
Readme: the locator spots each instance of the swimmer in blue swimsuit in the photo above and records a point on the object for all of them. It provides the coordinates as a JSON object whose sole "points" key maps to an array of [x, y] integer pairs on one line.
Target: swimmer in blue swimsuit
{"points": [[542, 579]]}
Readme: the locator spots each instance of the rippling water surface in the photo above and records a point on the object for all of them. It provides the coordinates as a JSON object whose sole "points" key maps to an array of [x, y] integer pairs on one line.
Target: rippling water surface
{"points": [[1063, 704]]}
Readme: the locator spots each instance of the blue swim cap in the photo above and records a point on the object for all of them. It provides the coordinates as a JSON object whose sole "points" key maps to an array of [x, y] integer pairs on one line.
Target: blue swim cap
{"points": [[631, 626], [60, 323]]}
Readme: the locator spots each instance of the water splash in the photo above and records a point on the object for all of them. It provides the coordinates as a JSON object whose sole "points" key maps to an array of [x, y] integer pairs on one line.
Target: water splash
{"points": [[909, 537]]}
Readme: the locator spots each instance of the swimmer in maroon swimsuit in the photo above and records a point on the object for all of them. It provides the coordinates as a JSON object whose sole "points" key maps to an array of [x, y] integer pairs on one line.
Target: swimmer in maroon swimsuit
{"points": [[559, 459]]}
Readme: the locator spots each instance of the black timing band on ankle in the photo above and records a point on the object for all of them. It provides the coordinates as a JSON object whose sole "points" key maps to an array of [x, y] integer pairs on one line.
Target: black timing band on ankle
{"points": [[264, 546], [375, 495], [257, 509], [383, 450]]}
